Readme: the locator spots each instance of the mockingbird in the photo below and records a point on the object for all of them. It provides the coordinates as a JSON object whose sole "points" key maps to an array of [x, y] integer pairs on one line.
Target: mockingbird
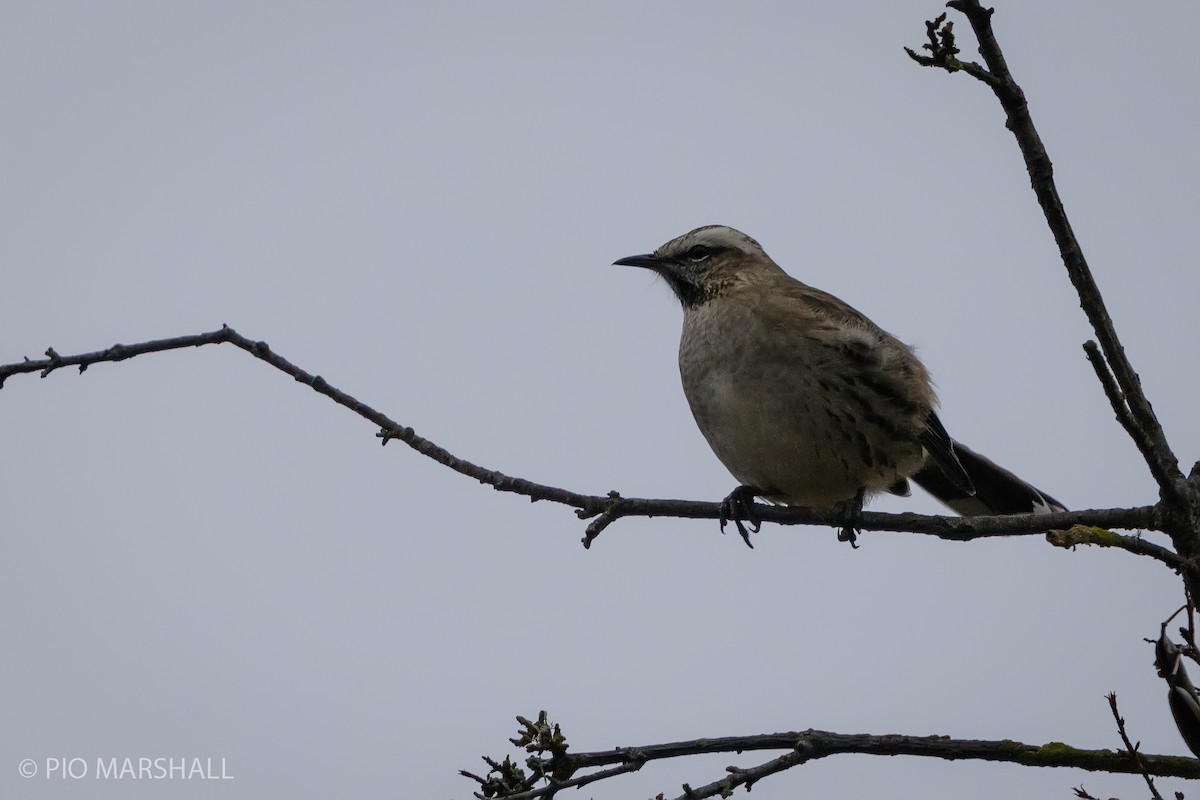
{"points": [[805, 400]]}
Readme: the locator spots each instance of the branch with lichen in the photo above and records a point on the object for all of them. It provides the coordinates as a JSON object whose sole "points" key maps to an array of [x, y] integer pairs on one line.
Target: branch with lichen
{"points": [[550, 767], [1103, 537]]}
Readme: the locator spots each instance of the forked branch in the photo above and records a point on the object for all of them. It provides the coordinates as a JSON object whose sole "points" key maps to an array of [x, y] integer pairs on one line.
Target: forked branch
{"points": [[550, 767], [1124, 389]]}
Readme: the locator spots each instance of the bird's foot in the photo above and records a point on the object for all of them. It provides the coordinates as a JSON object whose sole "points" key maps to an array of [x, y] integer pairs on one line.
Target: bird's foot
{"points": [[850, 509], [739, 506]]}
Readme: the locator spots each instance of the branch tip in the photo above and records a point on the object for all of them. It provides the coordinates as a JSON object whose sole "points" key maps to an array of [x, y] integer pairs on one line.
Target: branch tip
{"points": [[1102, 537]]}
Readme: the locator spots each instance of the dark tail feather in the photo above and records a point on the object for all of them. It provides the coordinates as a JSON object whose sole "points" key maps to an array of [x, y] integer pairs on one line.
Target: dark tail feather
{"points": [[997, 491]]}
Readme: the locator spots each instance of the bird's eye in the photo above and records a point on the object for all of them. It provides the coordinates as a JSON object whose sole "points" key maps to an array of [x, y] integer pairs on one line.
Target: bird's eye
{"points": [[698, 252]]}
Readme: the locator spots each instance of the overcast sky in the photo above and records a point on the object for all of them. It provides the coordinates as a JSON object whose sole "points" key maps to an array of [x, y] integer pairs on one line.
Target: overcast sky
{"points": [[421, 202]]}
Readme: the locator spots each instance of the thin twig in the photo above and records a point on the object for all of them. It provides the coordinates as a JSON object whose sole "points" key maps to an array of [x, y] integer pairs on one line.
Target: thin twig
{"points": [[555, 786], [744, 777], [1132, 748], [389, 428], [1116, 398], [1188, 634]]}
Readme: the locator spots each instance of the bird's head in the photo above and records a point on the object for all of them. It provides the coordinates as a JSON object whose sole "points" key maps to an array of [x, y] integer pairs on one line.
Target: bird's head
{"points": [[703, 263]]}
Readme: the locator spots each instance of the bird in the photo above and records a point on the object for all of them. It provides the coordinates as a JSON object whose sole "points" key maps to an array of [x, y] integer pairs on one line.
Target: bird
{"points": [[805, 400]]}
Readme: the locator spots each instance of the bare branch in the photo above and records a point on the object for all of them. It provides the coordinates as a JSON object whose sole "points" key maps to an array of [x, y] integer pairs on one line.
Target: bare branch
{"points": [[1139, 420], [611, 507], [1116, 397], [745, 777], [389, 428], [960, 529], [1134, 753], [819, 744], [553, 786], [562, 769]]}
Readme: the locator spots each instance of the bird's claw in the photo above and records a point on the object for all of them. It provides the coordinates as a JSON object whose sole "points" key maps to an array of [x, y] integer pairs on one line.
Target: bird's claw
{"points": [[739, 506], [851, 509]]}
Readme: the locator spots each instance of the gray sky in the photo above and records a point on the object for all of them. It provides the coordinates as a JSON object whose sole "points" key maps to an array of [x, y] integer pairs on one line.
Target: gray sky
{"points": [[421, 202]]}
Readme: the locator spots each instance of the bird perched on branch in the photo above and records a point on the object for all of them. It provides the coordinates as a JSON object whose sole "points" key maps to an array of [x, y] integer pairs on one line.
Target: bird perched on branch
{"points": [[805, 400]]}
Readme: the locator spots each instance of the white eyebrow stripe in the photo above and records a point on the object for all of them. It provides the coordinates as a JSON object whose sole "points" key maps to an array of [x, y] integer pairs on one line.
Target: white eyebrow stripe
{"points": [[714, 236]]}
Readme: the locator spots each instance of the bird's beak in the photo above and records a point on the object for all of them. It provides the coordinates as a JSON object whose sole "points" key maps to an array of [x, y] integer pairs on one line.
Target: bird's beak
{"points": [[649, 261]]}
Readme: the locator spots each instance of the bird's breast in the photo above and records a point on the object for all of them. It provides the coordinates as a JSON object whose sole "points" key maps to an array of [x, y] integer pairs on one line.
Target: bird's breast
{"points": [[779, 409]]}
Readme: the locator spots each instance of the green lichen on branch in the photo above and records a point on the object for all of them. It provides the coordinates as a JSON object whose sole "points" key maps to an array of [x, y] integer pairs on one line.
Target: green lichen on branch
{"points": [[1086, 534], [1061, 754]]}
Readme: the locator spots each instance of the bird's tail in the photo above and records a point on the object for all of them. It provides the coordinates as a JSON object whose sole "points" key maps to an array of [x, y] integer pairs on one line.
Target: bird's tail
{"points": [[997, 491]]}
